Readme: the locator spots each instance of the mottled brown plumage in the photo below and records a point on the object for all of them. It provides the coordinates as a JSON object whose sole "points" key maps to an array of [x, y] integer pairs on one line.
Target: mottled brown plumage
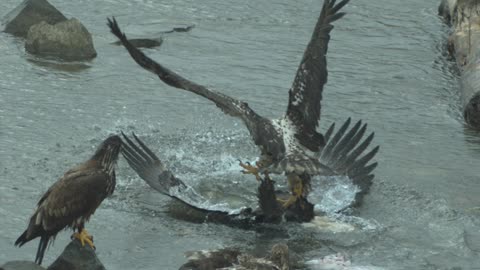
{"points": [[70, 201]]}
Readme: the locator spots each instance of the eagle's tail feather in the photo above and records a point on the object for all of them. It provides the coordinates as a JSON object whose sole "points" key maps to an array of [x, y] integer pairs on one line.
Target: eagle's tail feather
{"points": [[33, 231], [42, 246], [22, 239]]}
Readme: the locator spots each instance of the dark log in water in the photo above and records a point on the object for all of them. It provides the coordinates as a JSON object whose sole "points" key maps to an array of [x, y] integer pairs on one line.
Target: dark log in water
{"points": [[143, 42], [464, 45]]}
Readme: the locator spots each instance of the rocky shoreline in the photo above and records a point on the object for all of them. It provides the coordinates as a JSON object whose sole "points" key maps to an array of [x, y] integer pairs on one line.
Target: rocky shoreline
{"points": [[464, 46]]}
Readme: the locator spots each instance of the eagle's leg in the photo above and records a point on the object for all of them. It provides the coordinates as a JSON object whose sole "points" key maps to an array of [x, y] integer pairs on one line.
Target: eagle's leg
{"points": [[296, 185], [83, 236]]}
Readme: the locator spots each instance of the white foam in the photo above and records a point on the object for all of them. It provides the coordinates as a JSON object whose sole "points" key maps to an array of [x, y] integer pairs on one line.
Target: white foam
{"points": [[337, 261]]}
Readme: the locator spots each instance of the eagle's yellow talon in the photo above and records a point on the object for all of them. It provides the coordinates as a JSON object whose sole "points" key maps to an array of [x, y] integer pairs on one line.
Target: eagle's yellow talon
{"points": [[84, 237], [250, 169], [297, 190], [290, 201]]}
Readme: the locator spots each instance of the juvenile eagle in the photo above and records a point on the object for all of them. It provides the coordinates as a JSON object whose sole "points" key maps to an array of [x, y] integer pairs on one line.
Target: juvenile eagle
{"points": [[291, 144], [71, 200]]}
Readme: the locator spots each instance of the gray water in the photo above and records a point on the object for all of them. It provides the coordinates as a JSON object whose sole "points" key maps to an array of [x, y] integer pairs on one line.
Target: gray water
{"points": [[386, 66]]}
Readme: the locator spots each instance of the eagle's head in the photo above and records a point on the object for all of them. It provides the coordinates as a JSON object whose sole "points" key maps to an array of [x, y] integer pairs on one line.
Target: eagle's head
{"points": [[107, 152]]}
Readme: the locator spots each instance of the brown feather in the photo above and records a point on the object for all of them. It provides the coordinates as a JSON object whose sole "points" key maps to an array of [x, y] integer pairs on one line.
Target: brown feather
{"points": [[70, 201]]}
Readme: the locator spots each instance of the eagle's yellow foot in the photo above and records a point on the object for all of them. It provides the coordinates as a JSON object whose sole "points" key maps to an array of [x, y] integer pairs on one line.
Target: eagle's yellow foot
{"points": [[286, 203], [84, 237], [250, 169], [297, 192]]}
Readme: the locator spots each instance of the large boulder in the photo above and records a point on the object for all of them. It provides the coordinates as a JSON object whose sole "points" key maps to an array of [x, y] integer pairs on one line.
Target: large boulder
{"points": [[28, 13], [21, 265], [464, 46], [68, 40], [76, 257]]}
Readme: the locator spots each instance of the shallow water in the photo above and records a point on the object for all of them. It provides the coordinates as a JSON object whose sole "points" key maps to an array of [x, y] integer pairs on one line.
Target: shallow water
{"points": [[386, 66]]}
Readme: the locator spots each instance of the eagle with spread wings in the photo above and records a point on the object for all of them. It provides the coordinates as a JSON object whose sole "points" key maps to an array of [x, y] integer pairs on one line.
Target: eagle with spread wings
{"points": [[289, 145]]}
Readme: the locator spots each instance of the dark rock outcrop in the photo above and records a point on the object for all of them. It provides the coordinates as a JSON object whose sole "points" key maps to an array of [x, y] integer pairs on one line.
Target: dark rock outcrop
{"points": [[73, 257], [31, 12], [68, 40], [464, 46], [21, 265], [76, 257]]}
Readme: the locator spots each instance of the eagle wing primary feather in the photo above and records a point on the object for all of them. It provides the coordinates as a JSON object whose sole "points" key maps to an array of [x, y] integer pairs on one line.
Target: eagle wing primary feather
{"points": [[305, 94], [227, 104], [346, 153], [149, 167]]}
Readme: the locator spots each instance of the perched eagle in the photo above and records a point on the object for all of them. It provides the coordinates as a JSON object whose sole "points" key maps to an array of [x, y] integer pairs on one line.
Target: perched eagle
{"points": [[71, 200], [290, 144]]}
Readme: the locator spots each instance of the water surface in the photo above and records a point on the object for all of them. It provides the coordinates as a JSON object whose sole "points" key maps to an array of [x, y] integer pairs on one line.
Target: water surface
{"points": [[386, 66]]}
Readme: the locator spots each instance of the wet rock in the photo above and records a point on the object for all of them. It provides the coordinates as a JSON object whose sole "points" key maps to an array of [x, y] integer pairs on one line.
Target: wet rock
{"points": [[68, 40], [204, 260], [464, 46], [76, 257], [230, 258], [28, 13], [21, 265]]}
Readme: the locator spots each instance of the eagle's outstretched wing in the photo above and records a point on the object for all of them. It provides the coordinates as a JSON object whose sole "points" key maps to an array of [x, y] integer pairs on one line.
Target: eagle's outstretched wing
{"points": [[228, 105], [149, 167], [345, 153], [306, 92]]}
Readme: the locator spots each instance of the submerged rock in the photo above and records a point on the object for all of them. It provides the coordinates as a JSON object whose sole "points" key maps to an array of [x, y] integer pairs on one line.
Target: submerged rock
{"points": [[21, 265], [28, 13], [68, 40], [76, 257]]}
